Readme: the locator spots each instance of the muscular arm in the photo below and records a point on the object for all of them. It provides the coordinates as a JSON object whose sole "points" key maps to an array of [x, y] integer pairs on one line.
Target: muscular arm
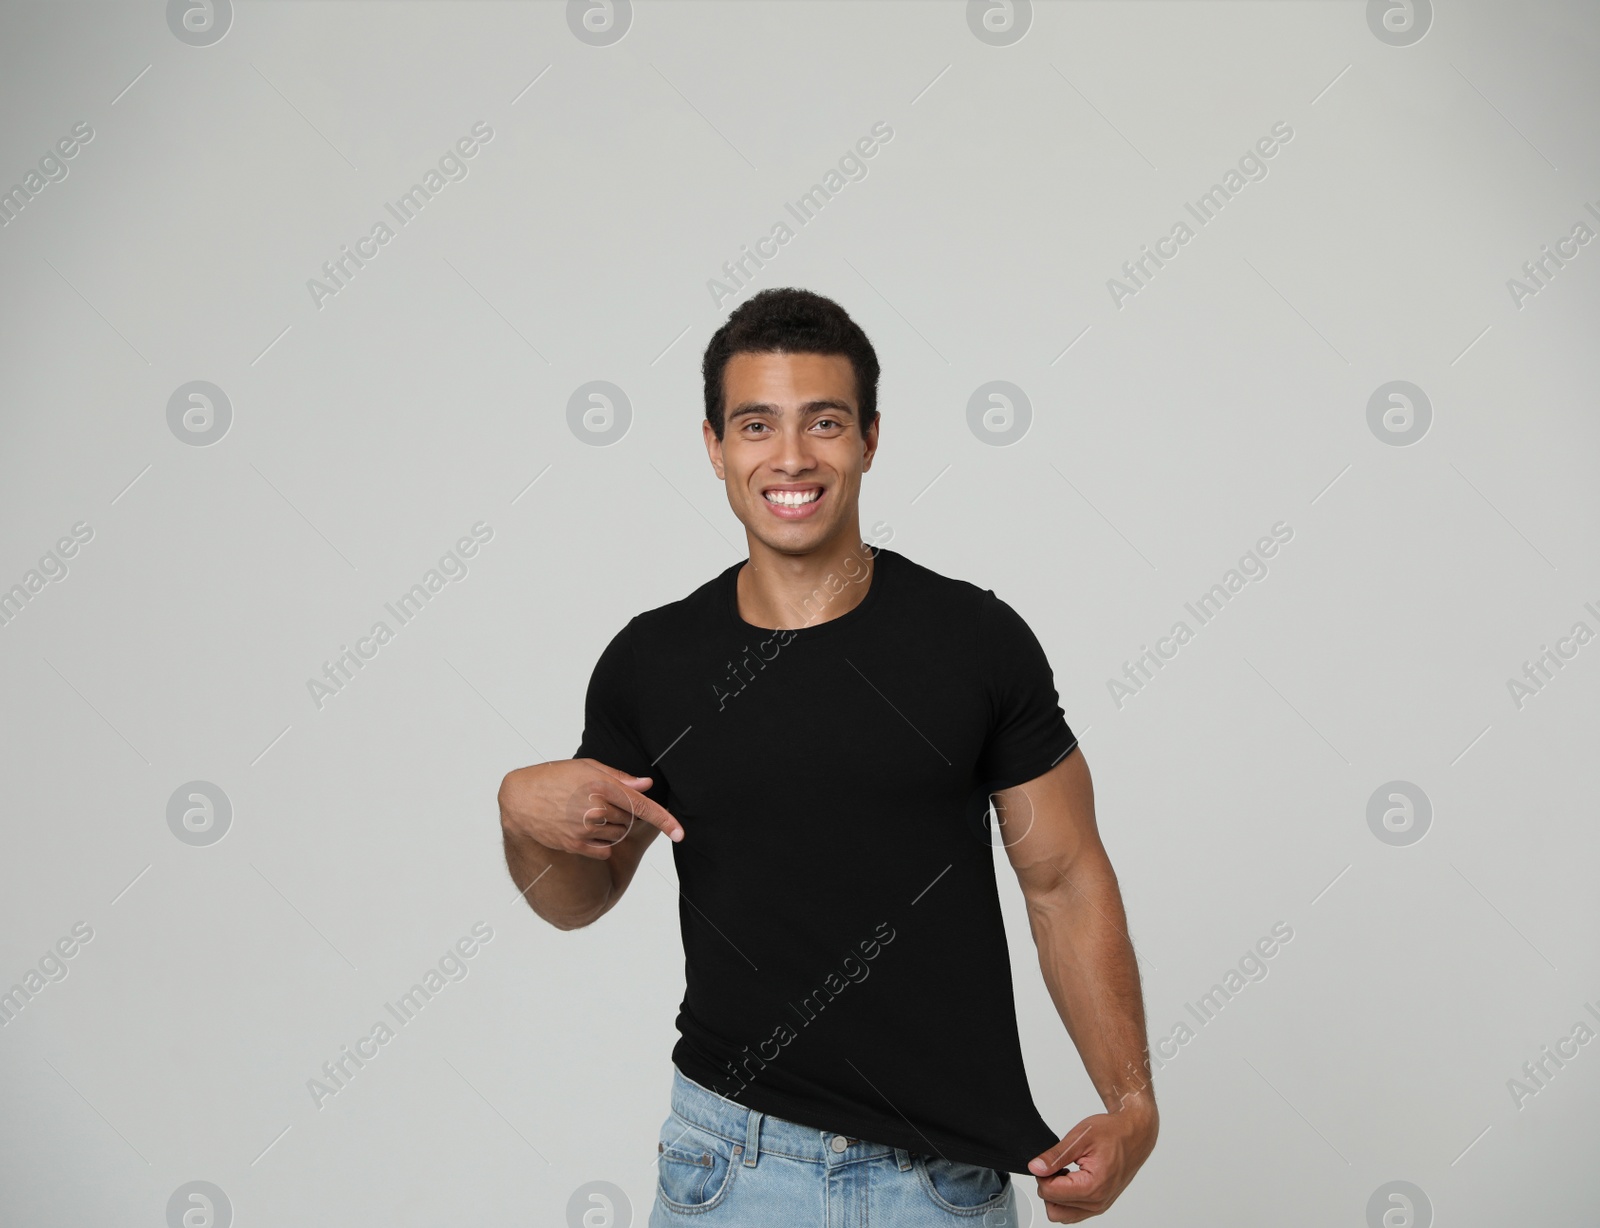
{"points": [[572, 842], [1079, 926]]}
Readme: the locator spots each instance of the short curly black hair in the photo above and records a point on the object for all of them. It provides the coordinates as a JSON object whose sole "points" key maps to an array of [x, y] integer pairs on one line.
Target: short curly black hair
{"points": [[789, 320]]}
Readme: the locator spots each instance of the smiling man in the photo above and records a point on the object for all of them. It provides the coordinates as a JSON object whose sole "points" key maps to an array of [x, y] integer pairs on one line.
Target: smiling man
{"points": [[821, 730]]}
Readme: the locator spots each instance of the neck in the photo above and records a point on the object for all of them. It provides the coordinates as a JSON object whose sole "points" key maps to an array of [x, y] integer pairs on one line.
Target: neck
{"points": [[789, 591]]}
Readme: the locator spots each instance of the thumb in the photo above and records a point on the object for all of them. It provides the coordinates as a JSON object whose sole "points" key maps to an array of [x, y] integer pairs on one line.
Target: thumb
{"points": [[1055, 1159]]}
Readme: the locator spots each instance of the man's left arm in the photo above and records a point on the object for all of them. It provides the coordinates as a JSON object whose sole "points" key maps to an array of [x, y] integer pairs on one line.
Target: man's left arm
{"points": [[1080, 929]]}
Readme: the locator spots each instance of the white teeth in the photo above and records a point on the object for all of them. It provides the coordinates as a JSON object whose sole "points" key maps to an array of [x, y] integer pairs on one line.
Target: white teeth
{"points": [[793, 498]]}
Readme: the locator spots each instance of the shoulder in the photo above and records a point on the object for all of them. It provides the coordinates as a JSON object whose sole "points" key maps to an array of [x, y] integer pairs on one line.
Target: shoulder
{"points": [[675, 619], [964, 600]]}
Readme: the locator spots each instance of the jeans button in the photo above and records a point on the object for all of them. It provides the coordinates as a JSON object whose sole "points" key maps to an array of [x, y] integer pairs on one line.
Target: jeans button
{"points": [[839, 1142]]}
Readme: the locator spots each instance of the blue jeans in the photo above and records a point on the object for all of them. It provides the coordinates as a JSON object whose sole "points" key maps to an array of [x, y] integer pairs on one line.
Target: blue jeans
{"points": [[720, 1165]]}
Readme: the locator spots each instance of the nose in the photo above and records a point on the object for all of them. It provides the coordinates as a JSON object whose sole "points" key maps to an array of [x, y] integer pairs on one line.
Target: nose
{"points": [[793, 454]]}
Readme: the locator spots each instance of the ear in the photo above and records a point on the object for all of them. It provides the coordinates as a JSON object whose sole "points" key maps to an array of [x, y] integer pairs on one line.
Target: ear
{"points": [[871, 443], [713, 448]]}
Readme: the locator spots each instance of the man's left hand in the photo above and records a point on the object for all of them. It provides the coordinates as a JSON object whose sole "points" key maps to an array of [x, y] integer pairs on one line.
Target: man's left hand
{"points": [[1108, 1149]]}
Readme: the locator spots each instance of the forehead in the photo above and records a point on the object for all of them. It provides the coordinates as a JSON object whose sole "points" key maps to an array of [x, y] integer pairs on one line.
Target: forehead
{"points": [[779, 378]]}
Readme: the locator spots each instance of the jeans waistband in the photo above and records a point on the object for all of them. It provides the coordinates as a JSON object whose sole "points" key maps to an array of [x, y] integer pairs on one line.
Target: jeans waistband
{"points": [[758, 1132]]}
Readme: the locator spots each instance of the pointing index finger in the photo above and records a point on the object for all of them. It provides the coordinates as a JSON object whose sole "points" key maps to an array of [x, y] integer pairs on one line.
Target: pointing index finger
{"points": [[639, 806]]}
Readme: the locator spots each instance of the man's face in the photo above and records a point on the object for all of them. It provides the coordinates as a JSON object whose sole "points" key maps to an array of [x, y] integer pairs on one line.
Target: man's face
{"points": [[792, 453]]}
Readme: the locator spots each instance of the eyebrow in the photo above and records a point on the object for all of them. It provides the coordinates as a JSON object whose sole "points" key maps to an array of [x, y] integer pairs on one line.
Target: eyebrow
{"points": [[810, 407]]}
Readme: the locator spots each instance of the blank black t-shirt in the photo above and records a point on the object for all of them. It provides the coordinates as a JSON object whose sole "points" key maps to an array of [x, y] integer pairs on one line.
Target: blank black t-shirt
{"points": [[845, 961]]}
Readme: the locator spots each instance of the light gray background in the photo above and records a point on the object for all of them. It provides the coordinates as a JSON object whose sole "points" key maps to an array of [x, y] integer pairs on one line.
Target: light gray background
{"points": [[1168, 435]]}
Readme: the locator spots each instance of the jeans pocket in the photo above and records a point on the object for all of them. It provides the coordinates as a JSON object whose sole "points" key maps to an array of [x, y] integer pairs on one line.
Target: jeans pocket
{"points": [[694, 1167], [966, 1189]]}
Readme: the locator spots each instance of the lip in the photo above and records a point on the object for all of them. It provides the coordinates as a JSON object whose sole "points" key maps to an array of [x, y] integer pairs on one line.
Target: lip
{"points": [[804, 511]]}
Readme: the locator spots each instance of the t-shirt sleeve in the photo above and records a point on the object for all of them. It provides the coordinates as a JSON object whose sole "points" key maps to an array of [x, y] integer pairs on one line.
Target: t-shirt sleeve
{"points": [[1028, 732], [610, 716]]}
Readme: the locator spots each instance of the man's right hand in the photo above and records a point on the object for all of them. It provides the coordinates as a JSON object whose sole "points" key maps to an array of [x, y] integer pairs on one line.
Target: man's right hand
{"points": [[579, 806]]}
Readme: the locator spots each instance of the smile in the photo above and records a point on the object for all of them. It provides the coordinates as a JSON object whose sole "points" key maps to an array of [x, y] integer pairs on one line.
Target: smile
{"points": [[793, 504]]}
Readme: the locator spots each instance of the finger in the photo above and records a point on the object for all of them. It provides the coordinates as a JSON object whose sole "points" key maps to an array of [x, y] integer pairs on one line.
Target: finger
{"points": [[608, 830], [624, 777], [618, 774], [1079, 1189], [1052, 1159], [636, 805]]}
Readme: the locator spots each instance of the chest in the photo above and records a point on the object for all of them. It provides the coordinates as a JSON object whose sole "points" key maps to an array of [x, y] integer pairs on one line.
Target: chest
{"points": [[847, 728]]}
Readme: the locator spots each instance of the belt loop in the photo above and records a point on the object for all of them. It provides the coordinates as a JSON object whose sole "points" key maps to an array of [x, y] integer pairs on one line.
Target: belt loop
{"points": [[752, 1138], [903, 1158]]}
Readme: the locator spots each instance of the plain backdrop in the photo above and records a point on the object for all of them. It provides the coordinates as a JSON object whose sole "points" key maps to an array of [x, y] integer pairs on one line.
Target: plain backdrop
{"points": [[1444, 535]]}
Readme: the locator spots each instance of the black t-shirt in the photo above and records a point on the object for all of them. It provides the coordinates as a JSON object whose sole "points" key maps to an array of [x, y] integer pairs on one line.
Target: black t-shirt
{"points": [[845, 961]]}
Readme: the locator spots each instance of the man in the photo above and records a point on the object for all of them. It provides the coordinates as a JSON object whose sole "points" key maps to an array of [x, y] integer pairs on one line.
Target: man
{"points": [[820, 730]]}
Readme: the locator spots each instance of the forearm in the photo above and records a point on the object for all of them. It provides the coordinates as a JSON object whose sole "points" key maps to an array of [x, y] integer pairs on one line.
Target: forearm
{"points": [[566, 889], [1080, 929]]}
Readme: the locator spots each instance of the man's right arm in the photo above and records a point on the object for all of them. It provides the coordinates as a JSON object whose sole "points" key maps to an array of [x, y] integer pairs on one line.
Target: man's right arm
{"points": [[575, 831]]}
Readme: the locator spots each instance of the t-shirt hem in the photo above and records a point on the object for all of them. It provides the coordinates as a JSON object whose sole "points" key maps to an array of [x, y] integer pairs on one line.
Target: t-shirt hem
{"points": [[884, 1131]]}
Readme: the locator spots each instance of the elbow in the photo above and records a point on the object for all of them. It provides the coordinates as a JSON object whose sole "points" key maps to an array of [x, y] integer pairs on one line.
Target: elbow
{"points": [[576, 920]]}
